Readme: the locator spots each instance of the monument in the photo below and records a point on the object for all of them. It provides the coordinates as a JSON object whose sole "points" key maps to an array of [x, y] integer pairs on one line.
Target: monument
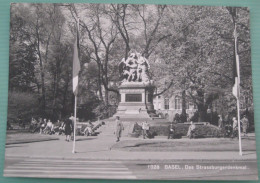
{"points": [[136, 89]]}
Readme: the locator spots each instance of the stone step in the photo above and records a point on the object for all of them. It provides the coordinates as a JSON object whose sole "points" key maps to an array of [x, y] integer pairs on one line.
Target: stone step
{"points": [[135, 104]]}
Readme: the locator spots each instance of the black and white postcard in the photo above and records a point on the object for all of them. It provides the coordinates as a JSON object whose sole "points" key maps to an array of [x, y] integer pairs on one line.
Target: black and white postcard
{"points": [[130, 91]]}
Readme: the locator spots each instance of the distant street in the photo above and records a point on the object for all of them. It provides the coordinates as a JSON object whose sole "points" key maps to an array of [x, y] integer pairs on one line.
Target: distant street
{"points": [[105, 169]]}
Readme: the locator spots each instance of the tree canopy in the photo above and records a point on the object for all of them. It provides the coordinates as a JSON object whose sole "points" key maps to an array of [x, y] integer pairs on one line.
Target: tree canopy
{"points": [[190, 48]]}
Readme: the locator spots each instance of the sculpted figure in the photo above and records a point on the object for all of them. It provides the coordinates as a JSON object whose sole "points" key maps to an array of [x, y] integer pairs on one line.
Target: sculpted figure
{"points": [[143, 67], [131, 66], [134, 68]]}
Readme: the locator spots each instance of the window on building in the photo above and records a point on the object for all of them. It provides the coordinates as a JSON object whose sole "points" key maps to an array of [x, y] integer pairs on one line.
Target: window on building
{"points": [[177, 102], [166, 103], [159, 105]]}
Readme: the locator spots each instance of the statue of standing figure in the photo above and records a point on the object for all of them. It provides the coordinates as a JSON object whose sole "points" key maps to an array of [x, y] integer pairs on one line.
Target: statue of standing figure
{"points": [[135, 68]]}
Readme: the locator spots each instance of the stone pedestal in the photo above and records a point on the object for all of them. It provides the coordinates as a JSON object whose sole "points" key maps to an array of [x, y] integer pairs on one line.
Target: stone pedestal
{"points": [[136, 100]]}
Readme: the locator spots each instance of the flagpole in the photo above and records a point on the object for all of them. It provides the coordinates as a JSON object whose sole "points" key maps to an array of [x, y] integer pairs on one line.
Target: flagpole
{"points": [[75, 93], [239, 128], [75, 125], [238, 91]]}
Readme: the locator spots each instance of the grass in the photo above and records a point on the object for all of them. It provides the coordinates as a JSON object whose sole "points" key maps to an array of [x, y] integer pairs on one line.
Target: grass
{"points": [[23, 136], [208, 145], [201, 131]]}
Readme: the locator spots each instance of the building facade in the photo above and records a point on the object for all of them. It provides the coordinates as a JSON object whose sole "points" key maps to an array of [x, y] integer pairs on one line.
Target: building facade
{"points": [[170, 106]]}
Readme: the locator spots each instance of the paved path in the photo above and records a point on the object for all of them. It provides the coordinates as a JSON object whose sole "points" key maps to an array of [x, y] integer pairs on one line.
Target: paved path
{"points": [[56, 168], [99, 148], [163, 170], [94, 159]]}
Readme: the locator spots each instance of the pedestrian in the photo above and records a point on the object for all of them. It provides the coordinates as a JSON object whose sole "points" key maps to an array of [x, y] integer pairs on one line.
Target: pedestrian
{"points": [[68, 129], [245, 125], [191, 130], [171, 131], [220, 121], [119, 128], [145, 129], [72, 118], [234, 131]]}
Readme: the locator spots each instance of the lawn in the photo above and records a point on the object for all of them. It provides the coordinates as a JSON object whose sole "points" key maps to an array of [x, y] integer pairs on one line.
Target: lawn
{"points": [[208, 144], [23, 136]]}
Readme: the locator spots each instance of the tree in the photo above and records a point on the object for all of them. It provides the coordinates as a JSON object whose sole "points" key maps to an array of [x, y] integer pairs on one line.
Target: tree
{"points": [[199, 51]]}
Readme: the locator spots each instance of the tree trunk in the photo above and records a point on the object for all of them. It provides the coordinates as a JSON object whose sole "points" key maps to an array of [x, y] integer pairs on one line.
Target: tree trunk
{"points": [[183, 113], [106, 98], [202, 108], [202, 113], [64, 101], [100, 84], [43, 102]]}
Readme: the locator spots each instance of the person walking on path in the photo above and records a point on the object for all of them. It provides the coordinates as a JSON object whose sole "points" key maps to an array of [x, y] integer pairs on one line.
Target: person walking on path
{"points": [[235, 128], [72, 118], [191, 130], [145, 129], [220, 121], [245, 125], [119, 128], [171, 131], [68, 128]]}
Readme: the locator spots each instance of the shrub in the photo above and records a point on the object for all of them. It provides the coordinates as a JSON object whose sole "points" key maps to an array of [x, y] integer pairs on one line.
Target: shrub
{"points": [[182, 129], [22, 105], [104, 111], [195, 117]]}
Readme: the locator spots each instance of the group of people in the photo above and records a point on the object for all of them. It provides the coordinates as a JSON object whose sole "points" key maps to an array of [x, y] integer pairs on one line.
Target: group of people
{"points": [[120, 127], [41, 126], [44, 126], [232, 129], [244, 123]]}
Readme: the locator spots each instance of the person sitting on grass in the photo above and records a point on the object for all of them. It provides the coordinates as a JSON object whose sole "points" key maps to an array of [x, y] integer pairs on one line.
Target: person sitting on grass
{"points": [[33, 125], [88, 130], [61, 128], [49, 127], [43, 125], [191, 130], [56, 127]]}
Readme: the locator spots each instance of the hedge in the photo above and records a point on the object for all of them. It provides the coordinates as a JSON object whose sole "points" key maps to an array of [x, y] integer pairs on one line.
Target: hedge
{"points": [[201, 131]]}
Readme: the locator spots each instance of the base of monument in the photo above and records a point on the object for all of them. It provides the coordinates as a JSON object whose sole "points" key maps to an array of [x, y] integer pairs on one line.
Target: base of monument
{"points": [[132, 112], [135, 101]]}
